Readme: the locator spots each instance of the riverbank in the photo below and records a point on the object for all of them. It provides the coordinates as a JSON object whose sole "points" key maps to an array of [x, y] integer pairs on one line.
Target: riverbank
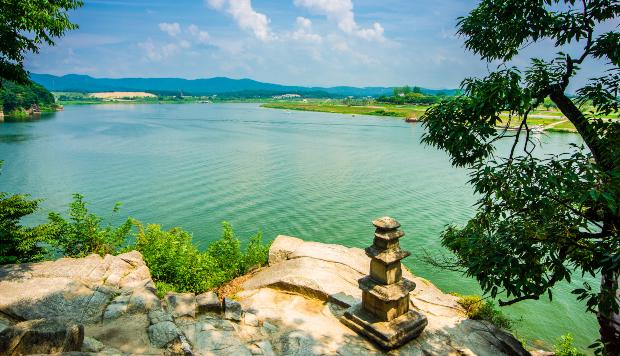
{"points": [[110, 305], [548, 121]]}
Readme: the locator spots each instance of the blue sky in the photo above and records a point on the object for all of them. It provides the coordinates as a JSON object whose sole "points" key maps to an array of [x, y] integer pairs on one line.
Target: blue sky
{"points": [[297, 42]]}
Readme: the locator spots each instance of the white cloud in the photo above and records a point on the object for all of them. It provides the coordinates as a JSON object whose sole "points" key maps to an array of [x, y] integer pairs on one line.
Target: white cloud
{"points": [[304, 31], [157, 52], [216, 4], [245, 16], [200, 36], [341, 12], [374, 33], [171, 29]]}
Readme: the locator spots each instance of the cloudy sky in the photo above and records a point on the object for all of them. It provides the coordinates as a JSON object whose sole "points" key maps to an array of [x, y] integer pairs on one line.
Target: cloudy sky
{"points": [[297, 42]]}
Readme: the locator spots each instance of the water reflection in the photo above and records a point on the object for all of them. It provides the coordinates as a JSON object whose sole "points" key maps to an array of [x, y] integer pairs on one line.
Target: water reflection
{"points": [[45, 116], [15, 138]]}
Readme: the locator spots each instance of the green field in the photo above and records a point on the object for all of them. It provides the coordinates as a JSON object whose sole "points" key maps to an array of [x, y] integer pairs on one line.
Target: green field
{"points": [[336, 108], [413, 111]]}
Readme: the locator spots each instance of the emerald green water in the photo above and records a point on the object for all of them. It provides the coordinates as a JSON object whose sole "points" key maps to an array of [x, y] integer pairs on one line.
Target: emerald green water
{"points": [[317, 176]]}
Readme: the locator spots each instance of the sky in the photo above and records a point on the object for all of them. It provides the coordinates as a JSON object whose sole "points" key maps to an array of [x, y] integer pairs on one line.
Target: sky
{"points": [[291, 42]]}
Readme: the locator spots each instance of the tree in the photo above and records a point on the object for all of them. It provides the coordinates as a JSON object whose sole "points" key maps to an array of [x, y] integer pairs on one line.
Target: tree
{"points": [[539, 219], [25, 25]]}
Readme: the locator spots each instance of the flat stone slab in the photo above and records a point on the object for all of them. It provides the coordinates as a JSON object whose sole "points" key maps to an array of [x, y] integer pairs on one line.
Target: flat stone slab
{"points": [[388, 335]]}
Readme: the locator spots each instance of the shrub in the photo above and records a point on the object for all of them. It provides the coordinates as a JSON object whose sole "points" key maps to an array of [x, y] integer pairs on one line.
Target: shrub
{"points": [[19, 244], [173, 259], [478, 309], [82, 234], [177, 264], [565, 347]]}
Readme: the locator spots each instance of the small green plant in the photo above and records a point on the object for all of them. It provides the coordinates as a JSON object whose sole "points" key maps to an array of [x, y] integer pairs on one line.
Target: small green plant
{"points": [[82, 234], [163, 288], [565, 347], [477, 308]]}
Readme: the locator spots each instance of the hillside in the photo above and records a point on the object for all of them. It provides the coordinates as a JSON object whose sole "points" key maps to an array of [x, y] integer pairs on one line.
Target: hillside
{"points": [[211, 86], [16, 97]]}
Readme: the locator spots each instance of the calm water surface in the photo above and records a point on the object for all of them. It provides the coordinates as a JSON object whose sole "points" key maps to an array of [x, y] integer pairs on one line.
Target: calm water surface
{"points": [[317, 176]]}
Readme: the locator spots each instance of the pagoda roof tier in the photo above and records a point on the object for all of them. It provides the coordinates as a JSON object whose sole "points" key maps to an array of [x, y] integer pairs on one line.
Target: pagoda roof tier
{"points": [[390, 292], [386, 256], [386, 223], [389, 235]]}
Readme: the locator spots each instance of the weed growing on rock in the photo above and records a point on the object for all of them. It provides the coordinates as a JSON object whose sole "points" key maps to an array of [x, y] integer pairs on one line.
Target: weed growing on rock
{"points": [[480, 309]]}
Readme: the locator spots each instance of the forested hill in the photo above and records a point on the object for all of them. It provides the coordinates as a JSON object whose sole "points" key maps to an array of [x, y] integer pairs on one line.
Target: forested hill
{"points": [[15, 97], [212, 86]]}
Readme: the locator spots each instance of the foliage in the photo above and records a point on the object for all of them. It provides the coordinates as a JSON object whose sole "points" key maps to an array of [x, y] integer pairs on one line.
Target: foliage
{"points": [[26, 25], [177, 263], [477, 308], [18, 243], [164, 288], [82, 234], [15, 96], [539, 219], [565, 347], [407, 95]]}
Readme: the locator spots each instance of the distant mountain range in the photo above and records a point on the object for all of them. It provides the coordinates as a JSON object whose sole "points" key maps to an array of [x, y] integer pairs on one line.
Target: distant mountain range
{"points": [[211, 86]]}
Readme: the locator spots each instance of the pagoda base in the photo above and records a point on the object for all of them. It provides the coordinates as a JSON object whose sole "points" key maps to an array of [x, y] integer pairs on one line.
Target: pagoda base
{"points": [[387, 334]]}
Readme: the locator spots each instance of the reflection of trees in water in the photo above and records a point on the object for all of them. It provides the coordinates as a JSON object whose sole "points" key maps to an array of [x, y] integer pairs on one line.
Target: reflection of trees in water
{"points": [[15, 138]]}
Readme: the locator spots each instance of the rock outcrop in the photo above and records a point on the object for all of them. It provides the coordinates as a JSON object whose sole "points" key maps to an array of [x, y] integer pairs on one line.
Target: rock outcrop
{"points": [[109, 306]]}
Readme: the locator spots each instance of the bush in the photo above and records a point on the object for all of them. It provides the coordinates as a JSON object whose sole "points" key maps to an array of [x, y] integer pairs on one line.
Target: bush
{"points": [[565, 347], [176, 263], [173, 259], [18, 244], [478, 309], [82, 234]]}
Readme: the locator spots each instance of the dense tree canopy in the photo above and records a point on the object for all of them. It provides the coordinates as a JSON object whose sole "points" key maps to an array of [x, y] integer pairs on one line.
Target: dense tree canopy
{"points": [[539, 219], [25, 25], [14, 96]]}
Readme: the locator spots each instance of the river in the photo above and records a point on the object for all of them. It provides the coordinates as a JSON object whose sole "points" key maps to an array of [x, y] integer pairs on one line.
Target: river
{"points": [[317, 176]]}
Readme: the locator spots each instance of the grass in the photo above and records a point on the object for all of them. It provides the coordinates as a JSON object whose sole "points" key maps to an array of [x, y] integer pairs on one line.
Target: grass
{"points": [[374, 110]]}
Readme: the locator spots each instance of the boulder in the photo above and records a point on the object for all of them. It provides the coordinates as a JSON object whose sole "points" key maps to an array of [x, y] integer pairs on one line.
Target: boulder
{"points": [[134, 258], [161, 334], [208, 302], [92, 345], [181, 304], [250, 319], [110, 296], [117, 307], [41, 337], [264, 348], [232, 310], [158, 316], [218, 337]]}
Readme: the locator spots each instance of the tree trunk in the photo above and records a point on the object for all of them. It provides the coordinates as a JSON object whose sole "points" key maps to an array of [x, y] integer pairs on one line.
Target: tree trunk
{"points": [[609, 322], [585, 129]]}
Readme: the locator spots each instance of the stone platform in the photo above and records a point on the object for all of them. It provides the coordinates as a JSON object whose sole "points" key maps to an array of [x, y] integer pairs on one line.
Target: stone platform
{"points": [[291, 307]]}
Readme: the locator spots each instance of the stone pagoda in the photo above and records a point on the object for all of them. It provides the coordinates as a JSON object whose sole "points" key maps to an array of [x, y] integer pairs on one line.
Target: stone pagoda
{"points": [[384, 315]]}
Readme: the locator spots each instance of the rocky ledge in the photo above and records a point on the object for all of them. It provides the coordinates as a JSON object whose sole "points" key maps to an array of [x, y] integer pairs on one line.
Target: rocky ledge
{"points": [[109, 305]]}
